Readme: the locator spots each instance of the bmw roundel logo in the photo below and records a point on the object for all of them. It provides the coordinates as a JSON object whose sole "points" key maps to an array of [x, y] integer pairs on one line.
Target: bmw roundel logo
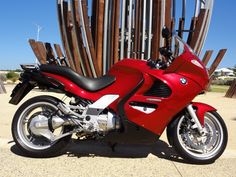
{"points": [[183, 81]]}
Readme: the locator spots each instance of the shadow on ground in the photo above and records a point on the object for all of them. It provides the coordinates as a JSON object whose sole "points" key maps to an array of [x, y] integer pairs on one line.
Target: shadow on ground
{"points": [[102, 149]]}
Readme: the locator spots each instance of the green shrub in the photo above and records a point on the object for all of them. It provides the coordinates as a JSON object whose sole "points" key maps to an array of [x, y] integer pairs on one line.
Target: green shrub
{"points": [[12, 76]]}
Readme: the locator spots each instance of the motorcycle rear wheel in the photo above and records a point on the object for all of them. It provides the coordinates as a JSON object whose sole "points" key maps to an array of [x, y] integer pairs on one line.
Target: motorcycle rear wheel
{"points": [[32, 145], [196, 148]]}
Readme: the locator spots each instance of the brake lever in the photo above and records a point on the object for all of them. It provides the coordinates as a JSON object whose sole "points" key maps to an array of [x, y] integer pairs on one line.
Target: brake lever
{"points": [[151, 63]]}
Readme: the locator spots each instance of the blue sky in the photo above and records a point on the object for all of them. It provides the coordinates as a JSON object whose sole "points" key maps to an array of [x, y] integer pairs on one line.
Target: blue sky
{"points": [[18, 19]]}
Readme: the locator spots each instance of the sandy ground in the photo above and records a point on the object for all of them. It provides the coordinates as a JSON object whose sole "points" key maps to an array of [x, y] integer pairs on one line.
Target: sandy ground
{"points": [[97, 159]]}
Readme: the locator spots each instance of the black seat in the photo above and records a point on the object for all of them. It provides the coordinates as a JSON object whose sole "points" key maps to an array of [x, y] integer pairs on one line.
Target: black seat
{"points": [[89, 84]]}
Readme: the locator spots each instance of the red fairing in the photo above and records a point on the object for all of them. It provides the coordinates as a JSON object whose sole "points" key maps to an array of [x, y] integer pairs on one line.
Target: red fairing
{"points": [[190, 66], [168, 107], [201, 110], [129, 73]]}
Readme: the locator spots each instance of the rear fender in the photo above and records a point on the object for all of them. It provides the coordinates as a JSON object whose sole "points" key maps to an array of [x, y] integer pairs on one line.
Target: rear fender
{"points": [[20, 91], [29, 80], [201, 109]]}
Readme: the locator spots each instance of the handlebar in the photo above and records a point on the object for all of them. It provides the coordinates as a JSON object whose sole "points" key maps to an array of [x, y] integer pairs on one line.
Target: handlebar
{"points": [[160, 64]]}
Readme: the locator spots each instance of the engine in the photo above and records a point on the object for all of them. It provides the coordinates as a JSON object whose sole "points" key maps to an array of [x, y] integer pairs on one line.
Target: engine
{"points": [[101, 123], [91, 121], [84, 120]]}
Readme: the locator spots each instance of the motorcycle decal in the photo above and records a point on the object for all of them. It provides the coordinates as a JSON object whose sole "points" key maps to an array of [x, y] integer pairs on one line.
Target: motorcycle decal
{"points": [[97, 107], [195, 62]]}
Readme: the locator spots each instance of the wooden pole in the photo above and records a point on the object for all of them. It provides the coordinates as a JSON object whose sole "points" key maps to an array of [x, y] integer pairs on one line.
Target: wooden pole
{"points": [[51, 58], [63, 23], [79, 38], [217, 61], [42, 51], [79, 67], [192, 29], [207, 57], [60, 55], [116, 32], [181, 27], [99, 33], [2, 88], [114, 55], [198, 46], [156, 29], [232, 90], [36, 51], [168, 17], [198, 28]]}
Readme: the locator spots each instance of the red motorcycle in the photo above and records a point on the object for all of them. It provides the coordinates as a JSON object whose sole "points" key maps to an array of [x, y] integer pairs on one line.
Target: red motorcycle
{"points": [[133, 103]]}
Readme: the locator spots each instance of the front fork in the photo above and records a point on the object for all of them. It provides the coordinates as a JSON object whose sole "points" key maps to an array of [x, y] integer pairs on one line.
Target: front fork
{"points": [[195, 119], [197, 112]]}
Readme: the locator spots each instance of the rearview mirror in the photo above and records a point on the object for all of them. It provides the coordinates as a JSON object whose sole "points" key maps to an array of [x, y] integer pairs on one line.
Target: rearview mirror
{"points": [[166, 33]]}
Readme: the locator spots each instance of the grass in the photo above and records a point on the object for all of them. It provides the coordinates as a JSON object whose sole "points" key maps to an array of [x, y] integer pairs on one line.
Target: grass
{"points": [[219, 88]]}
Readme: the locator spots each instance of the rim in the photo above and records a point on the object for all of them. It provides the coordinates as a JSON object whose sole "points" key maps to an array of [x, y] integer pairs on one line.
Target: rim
{"points": [[26, 136], [203, 146]]}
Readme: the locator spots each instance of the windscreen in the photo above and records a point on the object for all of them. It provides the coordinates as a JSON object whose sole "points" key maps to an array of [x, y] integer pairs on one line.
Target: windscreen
{"points": [[178, 46]]}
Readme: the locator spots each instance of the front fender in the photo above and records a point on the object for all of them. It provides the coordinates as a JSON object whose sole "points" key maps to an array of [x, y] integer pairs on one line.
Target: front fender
{"points": [[201, 109]]}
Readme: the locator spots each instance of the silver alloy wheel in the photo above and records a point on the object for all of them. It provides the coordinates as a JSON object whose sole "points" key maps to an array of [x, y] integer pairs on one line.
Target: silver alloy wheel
{"points": [[201, 146], [24, 133]]}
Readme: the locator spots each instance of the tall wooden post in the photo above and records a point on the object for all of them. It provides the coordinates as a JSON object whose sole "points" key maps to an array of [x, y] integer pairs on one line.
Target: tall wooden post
{"points": [[2, 88], [231, 93]]}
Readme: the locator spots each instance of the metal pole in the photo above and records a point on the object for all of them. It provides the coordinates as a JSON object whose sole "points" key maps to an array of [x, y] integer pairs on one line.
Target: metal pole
{"points": [[105, 37], [86, 39], [109, 40], [203, 3], [209, 6], [122, 30], [162, 22], [150, 30], [202, 31], [39, 28], [144, 28], [130, 27], [197, 6]]}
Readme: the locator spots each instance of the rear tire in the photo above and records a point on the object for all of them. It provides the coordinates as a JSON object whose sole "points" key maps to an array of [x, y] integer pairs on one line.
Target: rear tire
{"points": [[212, 144], [22, 136]]}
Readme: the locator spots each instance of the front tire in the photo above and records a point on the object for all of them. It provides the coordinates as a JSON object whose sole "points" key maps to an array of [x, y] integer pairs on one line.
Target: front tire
{"points": [[200, 149], [30, 144]]}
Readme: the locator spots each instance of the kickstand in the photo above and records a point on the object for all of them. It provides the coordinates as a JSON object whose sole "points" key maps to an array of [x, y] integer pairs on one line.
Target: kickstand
{"points": [[112, 146]]}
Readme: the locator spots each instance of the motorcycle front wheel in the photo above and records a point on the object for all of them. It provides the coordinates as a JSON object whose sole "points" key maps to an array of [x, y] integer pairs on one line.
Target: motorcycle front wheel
{"points": [[194, 147], [35, 145]]}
